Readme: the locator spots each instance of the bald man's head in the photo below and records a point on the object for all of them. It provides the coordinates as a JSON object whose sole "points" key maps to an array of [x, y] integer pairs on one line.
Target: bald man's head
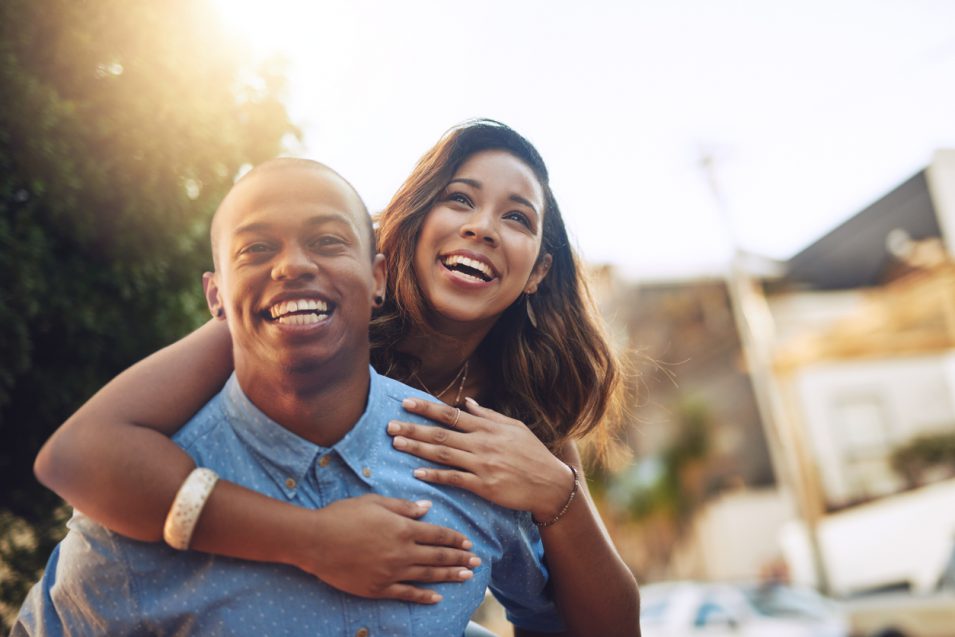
{"points": [[273, 169]]}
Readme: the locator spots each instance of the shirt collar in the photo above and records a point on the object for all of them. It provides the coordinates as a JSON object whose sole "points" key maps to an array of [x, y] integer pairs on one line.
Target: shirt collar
{"points": [[285, 455], [361, 447]]}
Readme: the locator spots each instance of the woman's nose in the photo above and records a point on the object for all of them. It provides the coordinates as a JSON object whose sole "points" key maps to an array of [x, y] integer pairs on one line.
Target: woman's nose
{"points": [[481, 226]]}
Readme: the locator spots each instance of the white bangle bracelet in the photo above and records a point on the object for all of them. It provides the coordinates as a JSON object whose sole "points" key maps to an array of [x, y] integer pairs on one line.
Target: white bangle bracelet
{"points": [[186, 508]]}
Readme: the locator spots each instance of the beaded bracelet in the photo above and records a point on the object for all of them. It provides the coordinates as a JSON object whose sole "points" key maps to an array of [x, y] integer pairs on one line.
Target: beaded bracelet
{"points": [[570, 499], [187, 507]]}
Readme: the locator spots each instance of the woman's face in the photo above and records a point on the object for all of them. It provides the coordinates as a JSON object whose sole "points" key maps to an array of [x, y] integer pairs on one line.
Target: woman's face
{"points": [[478, 245]]}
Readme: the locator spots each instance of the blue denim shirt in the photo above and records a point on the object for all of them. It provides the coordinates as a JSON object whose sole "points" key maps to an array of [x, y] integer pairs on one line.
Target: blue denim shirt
{"points": [[100, 583]]}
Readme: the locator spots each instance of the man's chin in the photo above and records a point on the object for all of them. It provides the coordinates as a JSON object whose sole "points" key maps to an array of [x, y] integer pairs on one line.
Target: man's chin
{"points": [[320, 363], [303, 366]]}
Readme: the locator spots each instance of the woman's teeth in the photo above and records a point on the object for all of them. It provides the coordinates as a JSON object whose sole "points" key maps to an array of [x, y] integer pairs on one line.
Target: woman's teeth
{"points": [[471, 268]]}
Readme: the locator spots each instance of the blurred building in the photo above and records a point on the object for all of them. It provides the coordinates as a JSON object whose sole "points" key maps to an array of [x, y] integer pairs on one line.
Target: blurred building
{"points": [[863, 356], [811, 382], [865, 336]]}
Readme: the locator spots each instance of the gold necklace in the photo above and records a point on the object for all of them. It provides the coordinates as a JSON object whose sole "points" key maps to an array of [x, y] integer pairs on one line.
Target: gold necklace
{"points": [[462, 376]]}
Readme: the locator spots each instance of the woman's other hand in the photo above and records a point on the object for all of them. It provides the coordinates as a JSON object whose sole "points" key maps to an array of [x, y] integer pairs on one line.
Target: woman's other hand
{"points": [[372, 546], [489, 454]]}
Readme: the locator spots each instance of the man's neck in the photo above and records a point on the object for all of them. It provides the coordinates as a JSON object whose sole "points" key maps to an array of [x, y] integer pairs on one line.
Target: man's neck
{"points": [[317, 405]]}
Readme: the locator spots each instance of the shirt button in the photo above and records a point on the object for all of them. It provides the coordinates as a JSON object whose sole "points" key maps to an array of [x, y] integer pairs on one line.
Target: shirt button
{"points": [[366, 472], [290, 483], [362, 632], [323, 461]]}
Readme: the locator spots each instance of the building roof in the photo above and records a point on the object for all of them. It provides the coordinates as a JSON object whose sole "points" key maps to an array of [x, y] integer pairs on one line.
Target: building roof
{"points": [[855, 253]]}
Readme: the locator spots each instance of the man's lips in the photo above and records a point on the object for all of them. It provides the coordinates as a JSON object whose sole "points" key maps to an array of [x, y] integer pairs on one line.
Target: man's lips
{"points": [[299, 311]]}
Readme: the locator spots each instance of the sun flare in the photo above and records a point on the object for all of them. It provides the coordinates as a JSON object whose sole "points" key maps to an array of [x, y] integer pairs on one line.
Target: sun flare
{"points": [[265, 26]]}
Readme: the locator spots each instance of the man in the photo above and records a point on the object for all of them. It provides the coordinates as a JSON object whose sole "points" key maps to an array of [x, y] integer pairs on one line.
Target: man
{"points": [[302, 418]]}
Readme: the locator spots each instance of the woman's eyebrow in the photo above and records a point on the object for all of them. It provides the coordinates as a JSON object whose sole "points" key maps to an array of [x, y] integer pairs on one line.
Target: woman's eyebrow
{"points": [[477, 184], [522, 200], [474, 183]]}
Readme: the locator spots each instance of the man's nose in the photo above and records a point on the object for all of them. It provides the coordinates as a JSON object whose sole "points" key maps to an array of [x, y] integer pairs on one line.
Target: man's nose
{"points": [[293, 263]]}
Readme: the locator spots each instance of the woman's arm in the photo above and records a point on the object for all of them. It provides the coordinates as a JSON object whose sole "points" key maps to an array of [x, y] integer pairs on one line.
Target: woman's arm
{"points": [[114, 461], [500, 459]]}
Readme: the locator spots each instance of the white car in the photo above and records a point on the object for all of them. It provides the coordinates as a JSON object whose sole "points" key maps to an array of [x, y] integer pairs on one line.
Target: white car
{"points": [[685, 609]]}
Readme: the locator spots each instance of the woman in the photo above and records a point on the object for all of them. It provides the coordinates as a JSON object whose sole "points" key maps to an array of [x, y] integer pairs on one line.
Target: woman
{"points": [[485, 303]]}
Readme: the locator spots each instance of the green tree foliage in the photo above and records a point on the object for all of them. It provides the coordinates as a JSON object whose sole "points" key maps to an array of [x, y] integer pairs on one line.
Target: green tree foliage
{"points": [[673, 483], [122, 124]]}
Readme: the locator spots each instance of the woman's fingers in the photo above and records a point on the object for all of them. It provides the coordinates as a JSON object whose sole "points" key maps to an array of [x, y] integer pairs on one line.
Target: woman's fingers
{"points": [[451, 478], [425, 533], [438, 574], [409, 593], [472, 407], [439, 412], [429, 434], [433, 548], [439, 453], [426, 574]]}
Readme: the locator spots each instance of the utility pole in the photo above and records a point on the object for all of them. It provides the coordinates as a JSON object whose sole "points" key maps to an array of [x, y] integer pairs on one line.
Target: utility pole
{"points": [[787, 445]]}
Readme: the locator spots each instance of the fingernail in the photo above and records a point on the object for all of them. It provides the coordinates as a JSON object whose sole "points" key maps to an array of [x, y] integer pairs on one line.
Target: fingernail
{"points": [[465, 574], [409, 403], [424, 504], [474, 561], [401, 443], [466, 544], [420, 473], [393, 427], [471, 402], [436, 597]]}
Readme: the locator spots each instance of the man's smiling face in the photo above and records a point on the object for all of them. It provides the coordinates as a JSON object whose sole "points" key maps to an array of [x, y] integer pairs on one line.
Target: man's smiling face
{"points": [[294, 273]]}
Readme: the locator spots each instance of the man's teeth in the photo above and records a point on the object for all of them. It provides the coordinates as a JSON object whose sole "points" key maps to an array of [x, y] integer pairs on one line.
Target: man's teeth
{"points": [[282, 309], [300, 319], [480, 266]]}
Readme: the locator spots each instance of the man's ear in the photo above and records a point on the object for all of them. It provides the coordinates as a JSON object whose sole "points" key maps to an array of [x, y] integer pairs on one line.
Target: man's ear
{"points": [[213, 299], [538, 274], [380, 276]]}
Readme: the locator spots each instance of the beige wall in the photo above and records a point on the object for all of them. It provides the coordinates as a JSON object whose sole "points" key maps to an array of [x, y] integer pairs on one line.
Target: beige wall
{"points": [[736, 536]]}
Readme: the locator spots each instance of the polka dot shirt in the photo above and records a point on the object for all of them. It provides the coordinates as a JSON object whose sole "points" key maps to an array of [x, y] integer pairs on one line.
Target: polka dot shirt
{"points": [[99, 583]]}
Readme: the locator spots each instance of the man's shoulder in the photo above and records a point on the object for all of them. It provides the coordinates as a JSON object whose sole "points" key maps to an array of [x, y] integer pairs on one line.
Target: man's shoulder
{"points": [[207, 420], [394, 391]]}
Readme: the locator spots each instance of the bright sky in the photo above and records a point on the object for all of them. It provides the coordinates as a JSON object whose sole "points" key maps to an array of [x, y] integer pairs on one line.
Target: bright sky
{"points": [[811, 108]]}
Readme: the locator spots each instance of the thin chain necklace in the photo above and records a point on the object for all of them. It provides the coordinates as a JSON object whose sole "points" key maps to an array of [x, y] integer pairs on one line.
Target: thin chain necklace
{"points": [[462, 376]]}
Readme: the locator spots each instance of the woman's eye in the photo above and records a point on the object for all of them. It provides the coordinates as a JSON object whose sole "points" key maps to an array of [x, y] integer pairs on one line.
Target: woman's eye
{"points": [[460, 198], [521, 218]]}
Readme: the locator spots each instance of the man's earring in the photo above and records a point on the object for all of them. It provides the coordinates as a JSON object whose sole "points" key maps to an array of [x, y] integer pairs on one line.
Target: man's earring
{"points": [[220, 313], [379, 300]]}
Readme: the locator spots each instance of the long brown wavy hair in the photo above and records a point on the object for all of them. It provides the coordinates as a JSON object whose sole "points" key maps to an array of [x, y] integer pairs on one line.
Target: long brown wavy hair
{"points": [[560, 378]]}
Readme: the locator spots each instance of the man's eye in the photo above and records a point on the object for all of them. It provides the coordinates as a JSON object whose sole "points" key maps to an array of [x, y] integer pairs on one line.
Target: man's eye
{"points": [[328, 241], [255, 248]]}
